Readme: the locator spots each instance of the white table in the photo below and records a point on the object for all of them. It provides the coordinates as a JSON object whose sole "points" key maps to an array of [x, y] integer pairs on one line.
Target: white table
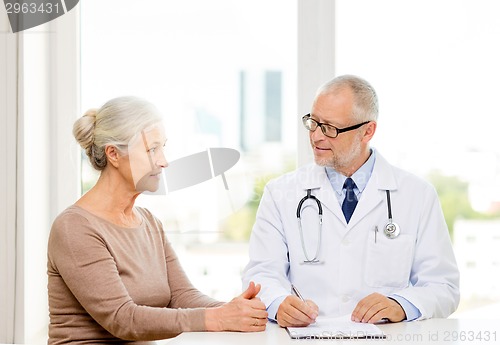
{"points": [[432, 331]]}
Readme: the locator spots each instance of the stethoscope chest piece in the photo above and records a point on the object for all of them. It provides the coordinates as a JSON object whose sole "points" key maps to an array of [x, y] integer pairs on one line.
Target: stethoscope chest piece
{"points": [[391, 230]]}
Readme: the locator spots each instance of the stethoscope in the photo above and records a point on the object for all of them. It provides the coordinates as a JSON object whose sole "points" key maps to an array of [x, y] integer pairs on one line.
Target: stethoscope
{"points": [[391, 229], [315, 259]]}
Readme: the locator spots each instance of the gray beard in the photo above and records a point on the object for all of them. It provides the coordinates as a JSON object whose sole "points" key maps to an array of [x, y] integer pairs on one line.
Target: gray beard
{"points": [[340, 162]]}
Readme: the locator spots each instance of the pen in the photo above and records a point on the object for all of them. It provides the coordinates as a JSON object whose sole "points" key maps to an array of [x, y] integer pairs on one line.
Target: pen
{"points": [[297, 293], [376, 230]]}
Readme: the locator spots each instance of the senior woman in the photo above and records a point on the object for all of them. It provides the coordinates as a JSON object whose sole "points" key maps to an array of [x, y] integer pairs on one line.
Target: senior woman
{"points": [[112, 274]]}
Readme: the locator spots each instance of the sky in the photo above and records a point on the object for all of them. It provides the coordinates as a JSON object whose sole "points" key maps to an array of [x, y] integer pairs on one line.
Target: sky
{"points": [[435, 66]]}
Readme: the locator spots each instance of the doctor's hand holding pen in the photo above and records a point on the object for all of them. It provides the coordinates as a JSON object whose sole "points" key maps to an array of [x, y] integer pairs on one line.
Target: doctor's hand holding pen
{"points": [[295, 311], [246, 313]]}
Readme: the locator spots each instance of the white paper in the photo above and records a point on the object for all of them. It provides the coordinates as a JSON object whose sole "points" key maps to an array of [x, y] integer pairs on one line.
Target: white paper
{"points": [[335, 328]]}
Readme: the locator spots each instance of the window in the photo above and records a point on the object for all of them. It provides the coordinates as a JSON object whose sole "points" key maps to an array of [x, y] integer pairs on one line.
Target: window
{"points": [[224, 75], [435, 69]]}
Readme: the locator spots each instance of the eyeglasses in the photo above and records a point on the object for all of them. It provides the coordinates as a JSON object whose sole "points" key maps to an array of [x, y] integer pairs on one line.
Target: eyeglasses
{"points": [[328, 130]]}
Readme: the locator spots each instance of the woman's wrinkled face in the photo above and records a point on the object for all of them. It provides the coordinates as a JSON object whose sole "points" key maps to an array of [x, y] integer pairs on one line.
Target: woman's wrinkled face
{"points": [[147, 158]]}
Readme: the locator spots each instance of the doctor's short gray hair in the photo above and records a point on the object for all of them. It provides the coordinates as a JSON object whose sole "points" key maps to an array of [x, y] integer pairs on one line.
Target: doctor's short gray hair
{"points": [[115, 123], [365, 98]]}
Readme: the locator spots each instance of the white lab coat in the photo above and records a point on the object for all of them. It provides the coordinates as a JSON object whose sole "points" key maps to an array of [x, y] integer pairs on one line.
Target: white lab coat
{"points": [[418, 265]]}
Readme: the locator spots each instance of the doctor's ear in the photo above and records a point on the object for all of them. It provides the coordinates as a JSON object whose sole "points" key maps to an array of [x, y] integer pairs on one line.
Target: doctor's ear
{"points": [[370, 129]]}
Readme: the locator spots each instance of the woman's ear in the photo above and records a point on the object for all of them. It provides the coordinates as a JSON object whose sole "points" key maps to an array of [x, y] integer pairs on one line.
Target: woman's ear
{"points": [[112, 155]]}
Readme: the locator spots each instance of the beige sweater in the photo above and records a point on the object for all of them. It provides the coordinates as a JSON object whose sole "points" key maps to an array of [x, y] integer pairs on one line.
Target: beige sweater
{"points": [[108, 283]]}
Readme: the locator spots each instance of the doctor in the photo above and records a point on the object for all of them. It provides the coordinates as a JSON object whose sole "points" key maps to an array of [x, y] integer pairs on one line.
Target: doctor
{"points": [[381, 248]]}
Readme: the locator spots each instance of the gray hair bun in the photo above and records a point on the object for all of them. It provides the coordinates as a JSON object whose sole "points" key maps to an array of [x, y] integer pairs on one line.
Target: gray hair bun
{"points": [[116, 123], [83, 131]]}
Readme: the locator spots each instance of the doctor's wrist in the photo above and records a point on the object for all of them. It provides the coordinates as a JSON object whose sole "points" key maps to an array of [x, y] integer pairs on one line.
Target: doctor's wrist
{"points": [[399, 313]]}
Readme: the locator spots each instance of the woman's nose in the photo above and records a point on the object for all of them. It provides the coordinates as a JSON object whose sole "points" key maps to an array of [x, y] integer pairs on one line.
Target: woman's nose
{"points": [[162, 161]]}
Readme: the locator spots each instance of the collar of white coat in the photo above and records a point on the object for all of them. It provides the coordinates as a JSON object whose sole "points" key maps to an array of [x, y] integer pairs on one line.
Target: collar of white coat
{"points": [[315, 177], [360, 177], [383, 178]]}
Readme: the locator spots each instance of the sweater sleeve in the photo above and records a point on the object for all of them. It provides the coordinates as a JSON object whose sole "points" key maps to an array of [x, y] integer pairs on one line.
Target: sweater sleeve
{"points": [[80, 255]]}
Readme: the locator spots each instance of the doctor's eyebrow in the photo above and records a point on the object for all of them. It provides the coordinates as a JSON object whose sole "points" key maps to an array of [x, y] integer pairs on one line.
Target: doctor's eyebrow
{"points": [[315, 118]]}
